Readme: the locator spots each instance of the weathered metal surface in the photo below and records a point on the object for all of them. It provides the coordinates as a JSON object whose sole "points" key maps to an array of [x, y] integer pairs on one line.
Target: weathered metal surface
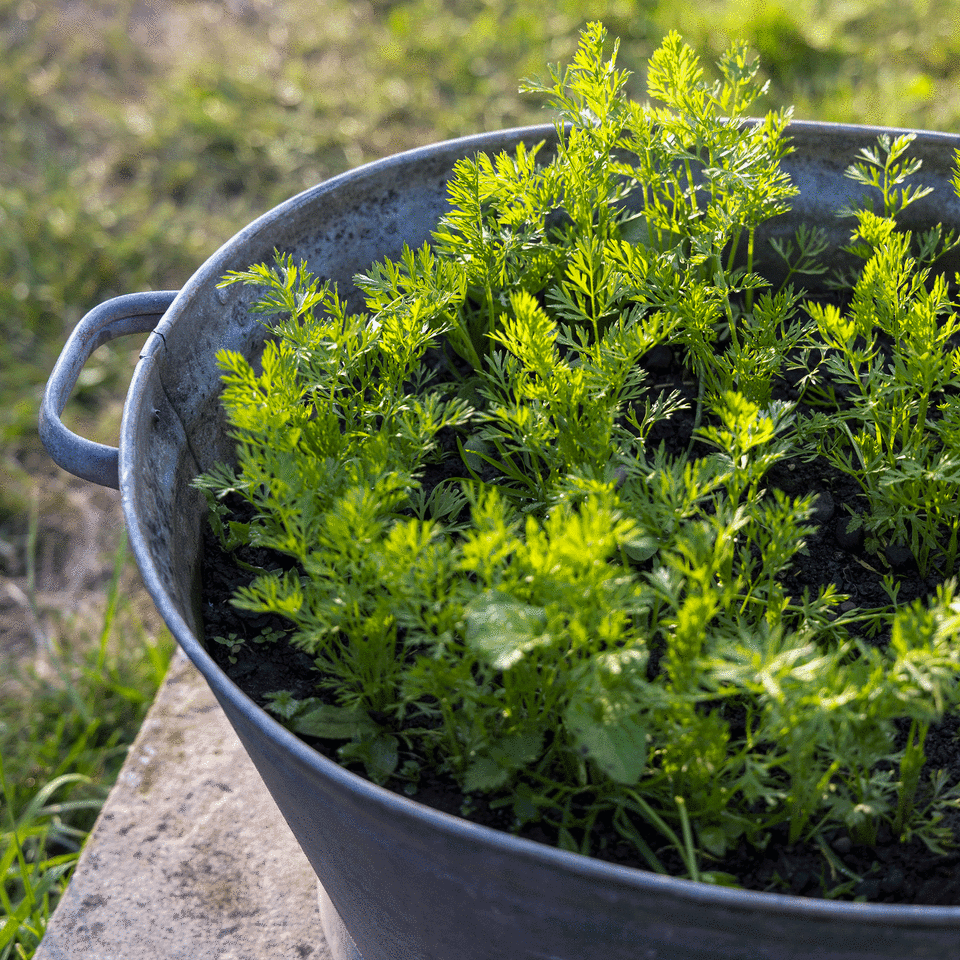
{"points": [[409, 882], [131, 313]]}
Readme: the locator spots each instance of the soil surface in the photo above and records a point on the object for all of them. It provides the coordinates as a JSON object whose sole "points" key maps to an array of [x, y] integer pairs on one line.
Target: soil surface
{"points": [[890, 872]]}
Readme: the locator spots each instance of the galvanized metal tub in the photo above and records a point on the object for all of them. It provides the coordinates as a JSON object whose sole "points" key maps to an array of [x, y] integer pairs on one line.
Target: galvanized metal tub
{"points": [[400, 881]]}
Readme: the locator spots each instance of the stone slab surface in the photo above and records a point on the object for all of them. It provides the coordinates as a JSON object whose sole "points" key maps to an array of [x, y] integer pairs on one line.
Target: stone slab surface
{"points": [[190, 858]]}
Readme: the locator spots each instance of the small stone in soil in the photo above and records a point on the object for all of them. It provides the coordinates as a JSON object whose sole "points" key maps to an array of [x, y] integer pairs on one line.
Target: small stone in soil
{"points": [[929, 891], [868, 889], [823, 508], [893, 881], [658, 359], [899, 556], [842, 846], [847, 539]]}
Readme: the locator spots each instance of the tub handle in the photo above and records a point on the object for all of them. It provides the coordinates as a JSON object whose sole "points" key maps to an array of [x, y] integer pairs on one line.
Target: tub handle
{"points": [[131, 313]]}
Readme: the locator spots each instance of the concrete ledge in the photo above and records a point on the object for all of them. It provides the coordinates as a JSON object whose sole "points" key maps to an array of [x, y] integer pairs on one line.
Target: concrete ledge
{"points": [[190, 857]]}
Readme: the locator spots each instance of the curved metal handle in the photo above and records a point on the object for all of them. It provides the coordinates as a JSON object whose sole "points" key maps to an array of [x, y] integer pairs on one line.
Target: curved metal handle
{"points": [[132, 313]]}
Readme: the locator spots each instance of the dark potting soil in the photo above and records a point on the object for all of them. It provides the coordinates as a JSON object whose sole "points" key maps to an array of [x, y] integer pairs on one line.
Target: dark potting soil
{"points": [[889, 872]]}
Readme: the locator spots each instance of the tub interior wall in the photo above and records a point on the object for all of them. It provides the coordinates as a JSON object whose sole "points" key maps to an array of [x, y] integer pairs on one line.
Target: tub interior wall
{"points": [[339, 229], [181, 430]]}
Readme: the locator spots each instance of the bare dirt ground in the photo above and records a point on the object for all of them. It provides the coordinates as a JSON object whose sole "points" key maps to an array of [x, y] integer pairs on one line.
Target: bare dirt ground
{"points": [[56, 566]]}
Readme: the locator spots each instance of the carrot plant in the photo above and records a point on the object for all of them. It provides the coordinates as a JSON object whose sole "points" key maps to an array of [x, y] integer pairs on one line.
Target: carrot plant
{"points": [[893, 355], [503, 578]]}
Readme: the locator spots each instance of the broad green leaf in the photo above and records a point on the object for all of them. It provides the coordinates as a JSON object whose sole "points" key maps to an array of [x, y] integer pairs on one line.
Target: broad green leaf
{"points": [[329, 722], [519, 749], [502, 629], [281, 702], [376, 750], [714, 840], [613, 739], [642, 548], [484, 775]]}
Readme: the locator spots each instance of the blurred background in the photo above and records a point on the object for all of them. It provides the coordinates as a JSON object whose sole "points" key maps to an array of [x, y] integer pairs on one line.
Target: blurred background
{"points": [[137, 137]]}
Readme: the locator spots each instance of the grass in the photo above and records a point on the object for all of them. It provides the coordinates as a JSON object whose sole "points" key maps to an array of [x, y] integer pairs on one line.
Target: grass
{"points": [[132, 148], [83, 702]]}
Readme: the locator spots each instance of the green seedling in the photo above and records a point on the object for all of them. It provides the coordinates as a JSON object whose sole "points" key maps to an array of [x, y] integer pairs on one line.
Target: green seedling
{"points": [[892, 353]]}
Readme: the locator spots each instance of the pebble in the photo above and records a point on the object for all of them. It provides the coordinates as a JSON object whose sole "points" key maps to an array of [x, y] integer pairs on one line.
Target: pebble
{"points": [[842, 846], [658, 359], [898, 556], [893, 881], [868, 889], [847, 539], [930, 892], [823, 508], [800, 881]]}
